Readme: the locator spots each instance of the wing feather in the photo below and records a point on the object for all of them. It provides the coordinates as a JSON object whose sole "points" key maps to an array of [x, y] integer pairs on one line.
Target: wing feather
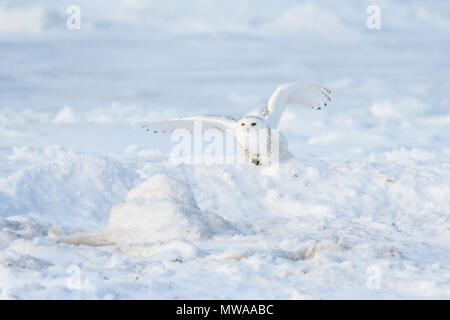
{"points": [[188, 123], [308, 95]]}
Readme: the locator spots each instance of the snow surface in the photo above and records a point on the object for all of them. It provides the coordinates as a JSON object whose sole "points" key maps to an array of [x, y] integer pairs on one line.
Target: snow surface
{"points": [[90, 206]]}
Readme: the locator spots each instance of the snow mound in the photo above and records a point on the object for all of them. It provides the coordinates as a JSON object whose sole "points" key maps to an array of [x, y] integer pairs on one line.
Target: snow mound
{"points": [[160, 209], [70, 189]]}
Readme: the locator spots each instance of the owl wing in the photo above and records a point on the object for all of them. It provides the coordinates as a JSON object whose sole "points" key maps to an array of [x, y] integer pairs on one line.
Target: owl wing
{"points": [[188, 123], [308, 95]]}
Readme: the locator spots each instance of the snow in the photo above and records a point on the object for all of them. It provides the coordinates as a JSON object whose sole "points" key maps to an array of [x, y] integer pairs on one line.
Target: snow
{"points": [[311, 230], [159, 209], [65, 115], [65, 190], [28, 20], [92, 208]]}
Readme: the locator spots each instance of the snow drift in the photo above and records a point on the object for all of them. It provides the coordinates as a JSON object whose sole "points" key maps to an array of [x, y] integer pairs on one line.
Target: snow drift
{"points": [[160, 209], [188, 230], [66, 189]]}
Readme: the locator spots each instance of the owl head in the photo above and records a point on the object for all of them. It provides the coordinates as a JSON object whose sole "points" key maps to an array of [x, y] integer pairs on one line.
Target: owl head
{"points": [[248, 123]]}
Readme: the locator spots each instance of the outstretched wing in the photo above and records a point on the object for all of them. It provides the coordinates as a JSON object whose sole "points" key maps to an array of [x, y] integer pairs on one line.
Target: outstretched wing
{"points": [[308, 95], [189, 123]]}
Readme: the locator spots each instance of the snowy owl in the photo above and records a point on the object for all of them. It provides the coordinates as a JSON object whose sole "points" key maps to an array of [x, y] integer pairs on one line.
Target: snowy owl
{"points": [[266, 121]]}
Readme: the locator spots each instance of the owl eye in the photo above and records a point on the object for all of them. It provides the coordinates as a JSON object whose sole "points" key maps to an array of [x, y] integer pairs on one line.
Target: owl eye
{"points": [[242, 124], [253, 124]]}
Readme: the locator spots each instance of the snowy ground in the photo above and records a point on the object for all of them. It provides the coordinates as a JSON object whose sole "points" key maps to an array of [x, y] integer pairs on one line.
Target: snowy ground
{"points": [[90, 206]]}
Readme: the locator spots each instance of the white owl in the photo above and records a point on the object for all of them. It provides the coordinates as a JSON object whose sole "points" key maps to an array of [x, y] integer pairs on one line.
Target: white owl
{"points": [[245, 128]]}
